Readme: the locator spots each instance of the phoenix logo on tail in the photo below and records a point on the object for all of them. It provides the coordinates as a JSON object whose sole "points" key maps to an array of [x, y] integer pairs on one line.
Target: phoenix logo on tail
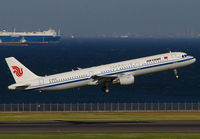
{"points": [[18, 71]]}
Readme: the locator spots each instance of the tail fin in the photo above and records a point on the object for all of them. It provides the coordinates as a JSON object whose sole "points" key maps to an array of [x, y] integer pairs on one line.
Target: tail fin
{"points": [[19, 71]]}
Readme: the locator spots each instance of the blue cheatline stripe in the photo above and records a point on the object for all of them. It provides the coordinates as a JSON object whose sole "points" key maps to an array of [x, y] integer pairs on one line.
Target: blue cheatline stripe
{"points": [[149, 66], [59, 84], [111, 74]]}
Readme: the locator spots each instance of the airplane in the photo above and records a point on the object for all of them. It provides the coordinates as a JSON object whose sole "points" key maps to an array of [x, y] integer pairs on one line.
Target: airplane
{"points": [[122, 73]]}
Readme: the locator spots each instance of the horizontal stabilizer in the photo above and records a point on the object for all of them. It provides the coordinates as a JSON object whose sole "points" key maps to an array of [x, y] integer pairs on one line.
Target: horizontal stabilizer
{"points": [[19, 86]]}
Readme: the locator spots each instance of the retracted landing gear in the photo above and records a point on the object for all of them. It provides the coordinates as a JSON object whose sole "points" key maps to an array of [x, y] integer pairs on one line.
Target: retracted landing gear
{"points": [[176, 73]]}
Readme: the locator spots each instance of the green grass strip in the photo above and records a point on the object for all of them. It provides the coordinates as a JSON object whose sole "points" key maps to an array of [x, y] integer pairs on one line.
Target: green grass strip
{"points": [[100, 116]]}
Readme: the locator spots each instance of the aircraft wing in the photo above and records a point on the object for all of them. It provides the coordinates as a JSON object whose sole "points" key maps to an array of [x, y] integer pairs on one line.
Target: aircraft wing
{"points": [[107, 79], [103, 79]]}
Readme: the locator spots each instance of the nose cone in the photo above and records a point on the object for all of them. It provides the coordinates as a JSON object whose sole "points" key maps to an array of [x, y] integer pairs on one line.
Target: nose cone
{"points": [[193, 60]]}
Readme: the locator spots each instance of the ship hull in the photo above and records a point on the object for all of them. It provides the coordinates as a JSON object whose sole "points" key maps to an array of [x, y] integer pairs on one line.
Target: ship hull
{"points": [[29, 39], [14, 44]]}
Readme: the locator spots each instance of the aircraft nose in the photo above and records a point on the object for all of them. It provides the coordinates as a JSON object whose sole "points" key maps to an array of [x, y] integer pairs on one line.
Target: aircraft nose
{"points": [[193, 60]]}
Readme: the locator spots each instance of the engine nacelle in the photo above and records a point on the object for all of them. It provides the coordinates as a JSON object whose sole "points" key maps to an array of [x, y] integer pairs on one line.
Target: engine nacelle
{"points": [[126, 80]]}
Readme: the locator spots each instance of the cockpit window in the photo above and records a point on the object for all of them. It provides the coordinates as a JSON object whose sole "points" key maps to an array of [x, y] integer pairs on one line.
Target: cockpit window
{"points": [[183, 56]]}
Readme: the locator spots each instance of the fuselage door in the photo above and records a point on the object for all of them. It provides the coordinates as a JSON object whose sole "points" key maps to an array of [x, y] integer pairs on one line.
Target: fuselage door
{"points": [[173, 55], [41, 81]]}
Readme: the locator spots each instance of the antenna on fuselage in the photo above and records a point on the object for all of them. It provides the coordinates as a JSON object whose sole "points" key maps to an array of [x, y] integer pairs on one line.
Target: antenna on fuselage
{"points": [[169, 50]]}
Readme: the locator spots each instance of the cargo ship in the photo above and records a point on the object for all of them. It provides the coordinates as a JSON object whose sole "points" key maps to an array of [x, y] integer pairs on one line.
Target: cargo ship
{"points": [[28, 38]]}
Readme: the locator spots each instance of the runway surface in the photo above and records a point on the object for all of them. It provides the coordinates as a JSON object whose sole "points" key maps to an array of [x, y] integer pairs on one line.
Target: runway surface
{"points": [[101, 127]]}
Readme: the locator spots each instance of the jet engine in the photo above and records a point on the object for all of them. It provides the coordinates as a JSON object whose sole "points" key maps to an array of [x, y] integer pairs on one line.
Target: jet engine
{"points": [[126, 80]]}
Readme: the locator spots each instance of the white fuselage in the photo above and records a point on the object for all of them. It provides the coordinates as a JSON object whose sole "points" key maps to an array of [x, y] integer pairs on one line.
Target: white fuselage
{"points": [[135, 67]]}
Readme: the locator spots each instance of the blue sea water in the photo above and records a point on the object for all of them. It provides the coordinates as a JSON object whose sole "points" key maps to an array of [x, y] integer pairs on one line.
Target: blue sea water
{"points": [[73, 53]]}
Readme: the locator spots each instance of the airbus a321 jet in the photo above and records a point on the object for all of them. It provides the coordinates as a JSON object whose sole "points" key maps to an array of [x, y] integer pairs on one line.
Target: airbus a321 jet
{"points": [[122, 73]]}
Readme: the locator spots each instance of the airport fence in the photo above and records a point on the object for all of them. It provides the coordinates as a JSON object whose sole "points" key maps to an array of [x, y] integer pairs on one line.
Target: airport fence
{"points": [[100, 107]]}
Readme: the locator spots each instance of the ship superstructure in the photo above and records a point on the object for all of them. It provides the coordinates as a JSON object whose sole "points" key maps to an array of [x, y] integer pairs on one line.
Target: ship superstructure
{"points": [[39, 37]]}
